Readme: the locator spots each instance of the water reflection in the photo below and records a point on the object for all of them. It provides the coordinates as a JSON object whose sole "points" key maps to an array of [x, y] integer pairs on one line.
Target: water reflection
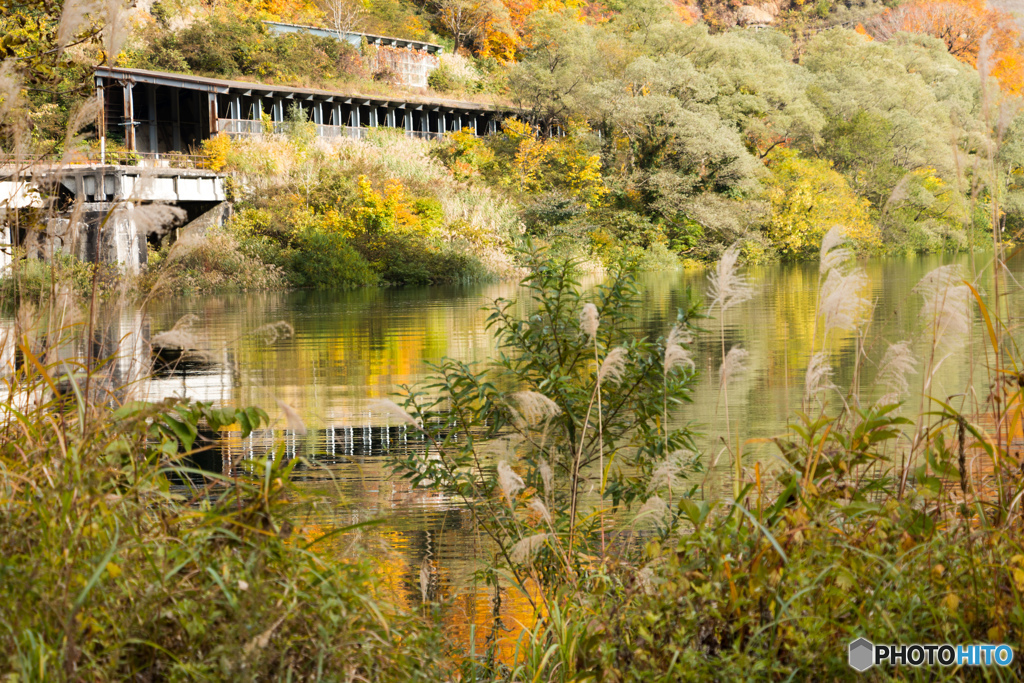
{"points": [[349, 348]]}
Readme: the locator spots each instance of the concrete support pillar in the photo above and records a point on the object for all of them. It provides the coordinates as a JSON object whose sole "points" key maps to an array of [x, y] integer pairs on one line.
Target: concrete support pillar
{"points": [[101, 126], [407, 117], [214, 117], [442, 125], [279, 110], [176, 119], [355, 116], [129, 118], [373, 117], [425, 120], [154, 145], [318, 113], [336, 115]]}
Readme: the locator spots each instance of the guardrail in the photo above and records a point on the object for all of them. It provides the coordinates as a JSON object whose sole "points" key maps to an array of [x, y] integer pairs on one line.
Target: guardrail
{"points": [[246, 127], [114, 158], [158, 159]]}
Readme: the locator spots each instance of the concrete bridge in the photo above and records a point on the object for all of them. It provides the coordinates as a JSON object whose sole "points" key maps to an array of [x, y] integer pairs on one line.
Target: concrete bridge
{"points": [[100, 212]]}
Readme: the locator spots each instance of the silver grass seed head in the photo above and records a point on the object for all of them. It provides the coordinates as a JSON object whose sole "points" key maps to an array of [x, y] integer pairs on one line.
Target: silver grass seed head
{"points": [[537, 507], [669, 473], [946, 309], [735, 363], [676, 356], [841, 303], [589, 321], [291, 418], [524, 550], [614, 366], [271, 333], [156, 218], [818, 377], [654, 509], [509, 482], [727, 286], [679, 335], [897, 363], [547, 476], [532, 409], [389, 407]]}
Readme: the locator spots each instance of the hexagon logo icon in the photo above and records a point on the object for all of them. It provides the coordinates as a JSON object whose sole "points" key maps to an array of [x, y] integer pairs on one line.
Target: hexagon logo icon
{"points": [[862, 654]]}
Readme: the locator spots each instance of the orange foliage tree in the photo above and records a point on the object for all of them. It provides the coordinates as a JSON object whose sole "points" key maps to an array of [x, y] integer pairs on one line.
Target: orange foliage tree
{"points": [[964, 26], [503, 39]]}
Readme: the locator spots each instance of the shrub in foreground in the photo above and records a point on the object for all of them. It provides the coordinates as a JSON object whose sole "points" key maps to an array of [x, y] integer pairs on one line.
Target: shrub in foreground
{"points": [[119, 562]]}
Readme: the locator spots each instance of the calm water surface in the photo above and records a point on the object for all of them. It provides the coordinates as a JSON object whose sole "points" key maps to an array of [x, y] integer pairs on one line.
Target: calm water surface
{"points": [[352, 347]]}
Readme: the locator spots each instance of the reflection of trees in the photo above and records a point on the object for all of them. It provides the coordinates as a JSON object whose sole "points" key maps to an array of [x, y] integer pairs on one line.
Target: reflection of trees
{"points": [[349, 347], [777, 327]]}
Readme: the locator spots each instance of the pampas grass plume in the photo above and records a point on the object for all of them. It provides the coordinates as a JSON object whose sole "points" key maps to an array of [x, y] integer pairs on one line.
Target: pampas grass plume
{"points": [[818, 377], [533, 408], [527, 547], [735, 362], [509, 482], [291, 418], [589, 321], [727, 287], [614, 365], [391, 408]]}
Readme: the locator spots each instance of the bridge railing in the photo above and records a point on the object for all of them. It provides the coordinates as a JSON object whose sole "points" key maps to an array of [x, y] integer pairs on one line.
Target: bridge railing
{"points": [[247, 127], [114, 158], [158, 159]]}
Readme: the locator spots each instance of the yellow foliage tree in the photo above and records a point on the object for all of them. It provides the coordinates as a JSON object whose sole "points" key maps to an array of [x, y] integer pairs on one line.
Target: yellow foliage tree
{"points": [[217, 149], [807, 198], [529, 156], [579, 169]]}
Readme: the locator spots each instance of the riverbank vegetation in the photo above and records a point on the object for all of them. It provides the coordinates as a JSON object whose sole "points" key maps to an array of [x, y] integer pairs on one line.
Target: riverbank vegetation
{"points": [[894, 519], [644, 131], [877, 520], [121, 560], [351, 213]]}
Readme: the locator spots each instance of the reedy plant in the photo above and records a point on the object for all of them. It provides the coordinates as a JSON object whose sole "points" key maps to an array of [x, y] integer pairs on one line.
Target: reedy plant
{"points": [[540, 397], [120, 559], [728, 288]]}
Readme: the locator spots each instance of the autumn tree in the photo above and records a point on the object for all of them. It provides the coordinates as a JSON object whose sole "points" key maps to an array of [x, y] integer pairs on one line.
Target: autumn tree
{"points": [[807, 198], [36, 35], [466, 20], [964, 26], [343, 16]]}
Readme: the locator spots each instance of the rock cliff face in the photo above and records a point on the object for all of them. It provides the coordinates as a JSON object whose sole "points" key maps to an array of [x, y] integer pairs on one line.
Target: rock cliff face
{"points": [[749, 15], [729, 13]]}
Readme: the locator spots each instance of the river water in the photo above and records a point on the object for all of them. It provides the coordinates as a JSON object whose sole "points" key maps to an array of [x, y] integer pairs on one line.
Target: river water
{"points": [[350, 347]]}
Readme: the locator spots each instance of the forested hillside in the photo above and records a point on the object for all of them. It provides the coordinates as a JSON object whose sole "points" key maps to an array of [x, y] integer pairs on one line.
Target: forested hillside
{"points": [[682, 128]]}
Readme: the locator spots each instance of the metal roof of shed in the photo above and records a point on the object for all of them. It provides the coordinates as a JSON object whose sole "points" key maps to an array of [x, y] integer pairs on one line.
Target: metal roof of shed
{"points": [[222, 86]]}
